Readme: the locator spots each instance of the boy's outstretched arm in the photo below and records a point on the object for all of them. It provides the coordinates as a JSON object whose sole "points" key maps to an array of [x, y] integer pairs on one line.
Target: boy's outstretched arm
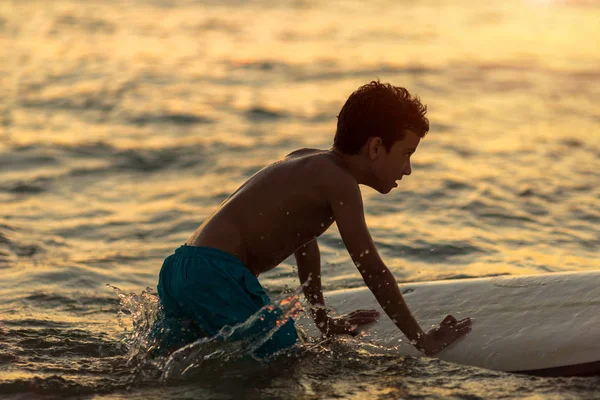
{"points": [[308, 260], [345, 200]]}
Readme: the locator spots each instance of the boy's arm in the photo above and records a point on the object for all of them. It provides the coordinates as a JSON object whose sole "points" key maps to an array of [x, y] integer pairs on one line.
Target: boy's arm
{"points": [[345, 199], [308, 259]]}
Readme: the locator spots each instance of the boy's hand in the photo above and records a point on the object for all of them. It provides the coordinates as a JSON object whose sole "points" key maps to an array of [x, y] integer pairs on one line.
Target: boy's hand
{"points": [[348, 324], [437, 338]]}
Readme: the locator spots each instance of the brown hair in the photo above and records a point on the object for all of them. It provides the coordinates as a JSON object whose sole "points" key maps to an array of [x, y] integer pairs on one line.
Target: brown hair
{"points": [[381, 110]]}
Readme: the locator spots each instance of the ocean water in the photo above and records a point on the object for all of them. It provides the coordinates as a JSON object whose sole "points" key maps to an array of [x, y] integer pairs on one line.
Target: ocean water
{"points": [[123, 124]]}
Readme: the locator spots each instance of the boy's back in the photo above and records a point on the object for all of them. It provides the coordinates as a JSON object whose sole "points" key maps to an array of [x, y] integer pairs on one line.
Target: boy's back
{"points": [[276, 211]]}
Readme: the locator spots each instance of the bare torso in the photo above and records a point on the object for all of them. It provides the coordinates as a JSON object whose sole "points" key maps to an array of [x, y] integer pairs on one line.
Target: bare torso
{"points": [[276, 211]]}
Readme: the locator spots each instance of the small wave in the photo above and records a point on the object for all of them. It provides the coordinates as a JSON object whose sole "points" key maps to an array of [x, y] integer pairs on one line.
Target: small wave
{"points": [[4, 239], [72, 303], [70, 103], [215, 24], [170, 118], [85, 23], [453, 184], [433, 252], [259, 113], [94, 158], [146, 160], [18, 249], [483, 210], [58, 386], [27, 188], [24, 157], [37, 323], [256, 64], [7, 358], [506, 218], [42, 347], [324, 70], [369, 73]]}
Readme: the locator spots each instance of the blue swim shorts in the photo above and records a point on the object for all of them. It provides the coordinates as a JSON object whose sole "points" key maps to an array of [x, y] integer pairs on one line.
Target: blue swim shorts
{"points": [[203, 289]]}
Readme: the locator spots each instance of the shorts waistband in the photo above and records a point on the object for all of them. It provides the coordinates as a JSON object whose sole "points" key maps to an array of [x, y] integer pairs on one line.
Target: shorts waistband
{"points": [[204, 251]]}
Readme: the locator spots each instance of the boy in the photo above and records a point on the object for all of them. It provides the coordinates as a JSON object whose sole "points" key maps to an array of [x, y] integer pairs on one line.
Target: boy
{"points": [[211, 281]]}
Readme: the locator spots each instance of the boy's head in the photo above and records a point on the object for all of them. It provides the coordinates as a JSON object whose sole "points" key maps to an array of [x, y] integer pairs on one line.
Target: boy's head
{"points": [[379, 110]]}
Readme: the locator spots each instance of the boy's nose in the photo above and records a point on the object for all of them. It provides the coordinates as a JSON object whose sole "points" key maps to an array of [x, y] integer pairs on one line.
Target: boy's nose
{"points": [[407, 169]]}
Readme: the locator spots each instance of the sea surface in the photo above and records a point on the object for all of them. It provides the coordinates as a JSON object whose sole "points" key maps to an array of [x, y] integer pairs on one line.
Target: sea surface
{"points": [[124, 124]]}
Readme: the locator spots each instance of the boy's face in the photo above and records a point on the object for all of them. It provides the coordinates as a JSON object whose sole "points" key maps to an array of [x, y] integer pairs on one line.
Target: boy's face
{"points": [[389, 168]]}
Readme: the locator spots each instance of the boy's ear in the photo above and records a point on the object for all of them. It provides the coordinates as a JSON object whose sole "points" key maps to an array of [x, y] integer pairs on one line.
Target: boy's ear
{"points": [[374, 147]]}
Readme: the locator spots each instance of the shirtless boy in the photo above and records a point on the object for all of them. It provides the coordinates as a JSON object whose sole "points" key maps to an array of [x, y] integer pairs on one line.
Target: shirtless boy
{"points": [[283, 209]]}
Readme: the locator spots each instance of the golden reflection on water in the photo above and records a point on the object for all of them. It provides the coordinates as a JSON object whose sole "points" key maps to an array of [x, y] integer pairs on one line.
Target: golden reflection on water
{"points": [[509, 87]]}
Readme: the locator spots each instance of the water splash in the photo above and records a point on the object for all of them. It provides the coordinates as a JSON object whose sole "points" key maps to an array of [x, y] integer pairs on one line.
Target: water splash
{"points": [[144, 334]]}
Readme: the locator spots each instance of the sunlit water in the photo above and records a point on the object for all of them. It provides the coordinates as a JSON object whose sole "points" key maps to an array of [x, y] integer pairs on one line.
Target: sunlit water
{"points": [[124, 124]]}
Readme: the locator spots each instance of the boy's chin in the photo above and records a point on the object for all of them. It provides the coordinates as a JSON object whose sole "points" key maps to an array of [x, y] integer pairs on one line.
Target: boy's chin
{"points": [[382, 187], [386, 189]]}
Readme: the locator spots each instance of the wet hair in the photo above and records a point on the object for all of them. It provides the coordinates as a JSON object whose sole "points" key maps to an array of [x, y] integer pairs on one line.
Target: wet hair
{"points": [[379, 110]]}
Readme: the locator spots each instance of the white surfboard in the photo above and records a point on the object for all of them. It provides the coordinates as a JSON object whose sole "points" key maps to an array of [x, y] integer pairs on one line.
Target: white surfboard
{"points": [[541, 324]]}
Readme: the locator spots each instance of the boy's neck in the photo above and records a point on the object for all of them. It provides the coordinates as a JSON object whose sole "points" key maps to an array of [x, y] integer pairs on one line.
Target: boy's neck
{"points": [[356, 164]]}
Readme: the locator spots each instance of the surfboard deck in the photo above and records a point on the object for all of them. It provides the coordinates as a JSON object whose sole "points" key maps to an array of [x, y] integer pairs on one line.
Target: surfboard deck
{"points": [[545, 324]]}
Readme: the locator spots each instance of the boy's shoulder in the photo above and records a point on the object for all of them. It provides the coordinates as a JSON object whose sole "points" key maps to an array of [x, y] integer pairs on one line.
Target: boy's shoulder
{"points": [[328, 166], [304, 152]]}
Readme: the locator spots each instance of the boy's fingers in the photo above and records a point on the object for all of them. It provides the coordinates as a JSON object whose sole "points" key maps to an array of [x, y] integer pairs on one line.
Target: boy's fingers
{"points": [[449, 320], [463, 324]]}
